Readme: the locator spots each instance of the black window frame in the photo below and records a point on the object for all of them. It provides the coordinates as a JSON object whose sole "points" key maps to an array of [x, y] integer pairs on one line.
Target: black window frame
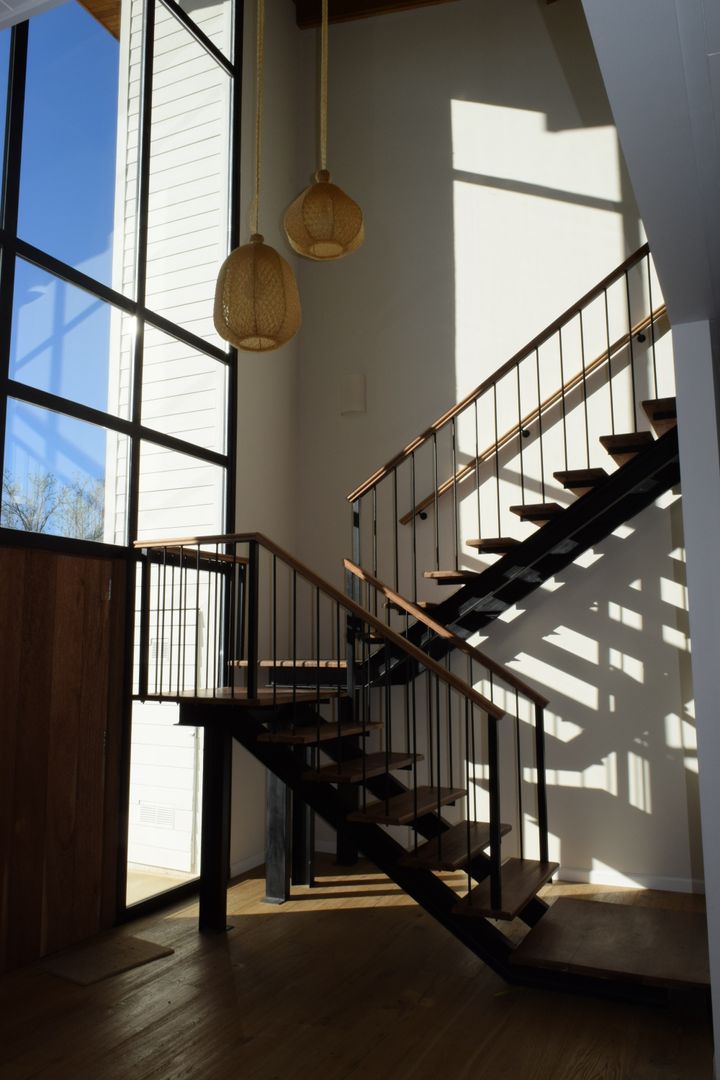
{"points": [[13, 247]]}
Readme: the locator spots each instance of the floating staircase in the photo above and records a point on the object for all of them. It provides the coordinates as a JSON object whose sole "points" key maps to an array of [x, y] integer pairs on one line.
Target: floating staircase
{"points": [[366, 705]]}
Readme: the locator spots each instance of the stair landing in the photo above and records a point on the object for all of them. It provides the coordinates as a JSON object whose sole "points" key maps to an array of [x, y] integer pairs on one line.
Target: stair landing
{"points": [[648, 945]]}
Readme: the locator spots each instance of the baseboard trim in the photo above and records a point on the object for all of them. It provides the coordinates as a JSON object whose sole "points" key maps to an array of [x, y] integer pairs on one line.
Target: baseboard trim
{"points": [[635, 881]]}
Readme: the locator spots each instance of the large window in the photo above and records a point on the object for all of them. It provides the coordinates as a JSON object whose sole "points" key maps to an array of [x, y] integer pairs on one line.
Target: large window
{"points": [[119, 202], [118, 208]]}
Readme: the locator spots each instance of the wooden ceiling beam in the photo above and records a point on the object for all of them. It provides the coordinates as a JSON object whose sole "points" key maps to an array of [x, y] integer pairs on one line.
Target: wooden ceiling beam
{"points": [[308, 11], [106, 12]]}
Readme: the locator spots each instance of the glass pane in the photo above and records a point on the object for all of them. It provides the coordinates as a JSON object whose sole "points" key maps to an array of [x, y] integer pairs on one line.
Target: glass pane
{"points": [[70, 343], [4, 73], [179, 495], [214, 17], [183, 391], [67, 183], [165, 782], [59, 475], [188, 221]]}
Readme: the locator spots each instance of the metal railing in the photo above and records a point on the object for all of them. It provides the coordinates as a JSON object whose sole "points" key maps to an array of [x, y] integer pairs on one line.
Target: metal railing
{"points": [[541, 413], [234, 619]]}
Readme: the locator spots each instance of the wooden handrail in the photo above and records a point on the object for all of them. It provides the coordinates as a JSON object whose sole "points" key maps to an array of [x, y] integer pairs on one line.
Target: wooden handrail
{"points": [[505, 673], [526, 351], [649, 320], [392, 638]]}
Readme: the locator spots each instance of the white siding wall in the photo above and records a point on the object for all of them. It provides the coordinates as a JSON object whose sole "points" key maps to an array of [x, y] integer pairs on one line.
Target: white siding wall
{"points": [[184, 392]]}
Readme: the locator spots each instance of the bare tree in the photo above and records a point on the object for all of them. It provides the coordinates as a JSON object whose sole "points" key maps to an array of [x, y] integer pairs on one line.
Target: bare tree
{"points": [[42, 505]]}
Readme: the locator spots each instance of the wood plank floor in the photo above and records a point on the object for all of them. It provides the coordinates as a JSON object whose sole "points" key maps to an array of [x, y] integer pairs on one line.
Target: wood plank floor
{"points": [[348, 980]]}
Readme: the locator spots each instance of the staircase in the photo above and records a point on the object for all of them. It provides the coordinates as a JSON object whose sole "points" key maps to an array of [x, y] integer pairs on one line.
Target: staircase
{"points": [[374, 708]]}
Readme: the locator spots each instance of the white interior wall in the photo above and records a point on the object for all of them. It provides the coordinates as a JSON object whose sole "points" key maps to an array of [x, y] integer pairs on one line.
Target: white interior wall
{"points": [[479, 142], [267, 382]]}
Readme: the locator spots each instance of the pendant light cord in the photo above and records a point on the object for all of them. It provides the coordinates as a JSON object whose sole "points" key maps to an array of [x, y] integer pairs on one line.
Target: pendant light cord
{"points": [[323, 85], [259, 52]]}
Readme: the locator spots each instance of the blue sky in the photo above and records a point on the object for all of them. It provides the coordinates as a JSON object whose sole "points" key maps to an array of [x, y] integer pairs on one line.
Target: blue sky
{"points": [[61, 335]]}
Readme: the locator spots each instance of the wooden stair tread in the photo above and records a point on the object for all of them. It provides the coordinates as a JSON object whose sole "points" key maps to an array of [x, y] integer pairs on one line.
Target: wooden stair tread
{"points": [[623, 447], [355, 770], [580, 479], [537, 511], [264, 698], [452, 577], [322, 664], [402, 809], [451, 850], [310, 734], [662, 413], [648, 945], [499, 546], [520, 879]]}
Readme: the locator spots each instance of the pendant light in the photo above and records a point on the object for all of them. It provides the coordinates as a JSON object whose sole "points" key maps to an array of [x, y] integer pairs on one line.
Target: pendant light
{"points": [[257, 305], [323, 222]]}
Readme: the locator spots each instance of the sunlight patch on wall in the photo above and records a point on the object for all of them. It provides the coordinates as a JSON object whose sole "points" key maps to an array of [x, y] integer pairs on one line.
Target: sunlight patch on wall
{"points": [[600, 776], [584, 693], [679, 733], [629, 665], [562, 730], [575, 643], [588, 558], [515, 144], [625, 615], [639, 794], [673, 593], [672, 636]]}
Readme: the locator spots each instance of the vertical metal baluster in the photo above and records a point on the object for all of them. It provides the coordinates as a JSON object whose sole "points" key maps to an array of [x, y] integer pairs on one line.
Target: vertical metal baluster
{"points": [[317, 677], [414, 530], [293, 635], [415, 757], [540, 427], [157, 623], [632, 351], [494, 765], [356, 547], [212, 645], [406, 693], [652, 325], [197, 619], [273, 628], [438, 735], [430, 744], [375, 541], [252, 618], [477, 470], [609, 363], [497, 460], [435, 501], [518, 766], [162, 625], [183, 617], [456, 530], [144, 628], [449, 723], [219, 675], [521, 428], [474, 758], [468, 832], [541, 782], [584, 382], [396, 553], [562, 397], [388, 721], [172, 622]]}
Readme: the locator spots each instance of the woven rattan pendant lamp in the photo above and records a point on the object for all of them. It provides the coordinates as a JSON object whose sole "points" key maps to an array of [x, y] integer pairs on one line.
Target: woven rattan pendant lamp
{"points": [[257, 305], [323, 222]]}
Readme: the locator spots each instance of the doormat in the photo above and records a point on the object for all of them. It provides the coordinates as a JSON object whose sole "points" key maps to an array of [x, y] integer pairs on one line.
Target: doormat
{"points": [[103, 958]]}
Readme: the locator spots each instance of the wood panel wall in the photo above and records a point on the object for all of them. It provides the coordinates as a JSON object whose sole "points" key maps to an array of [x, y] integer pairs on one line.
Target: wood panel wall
{"points": [[61, 719]]}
